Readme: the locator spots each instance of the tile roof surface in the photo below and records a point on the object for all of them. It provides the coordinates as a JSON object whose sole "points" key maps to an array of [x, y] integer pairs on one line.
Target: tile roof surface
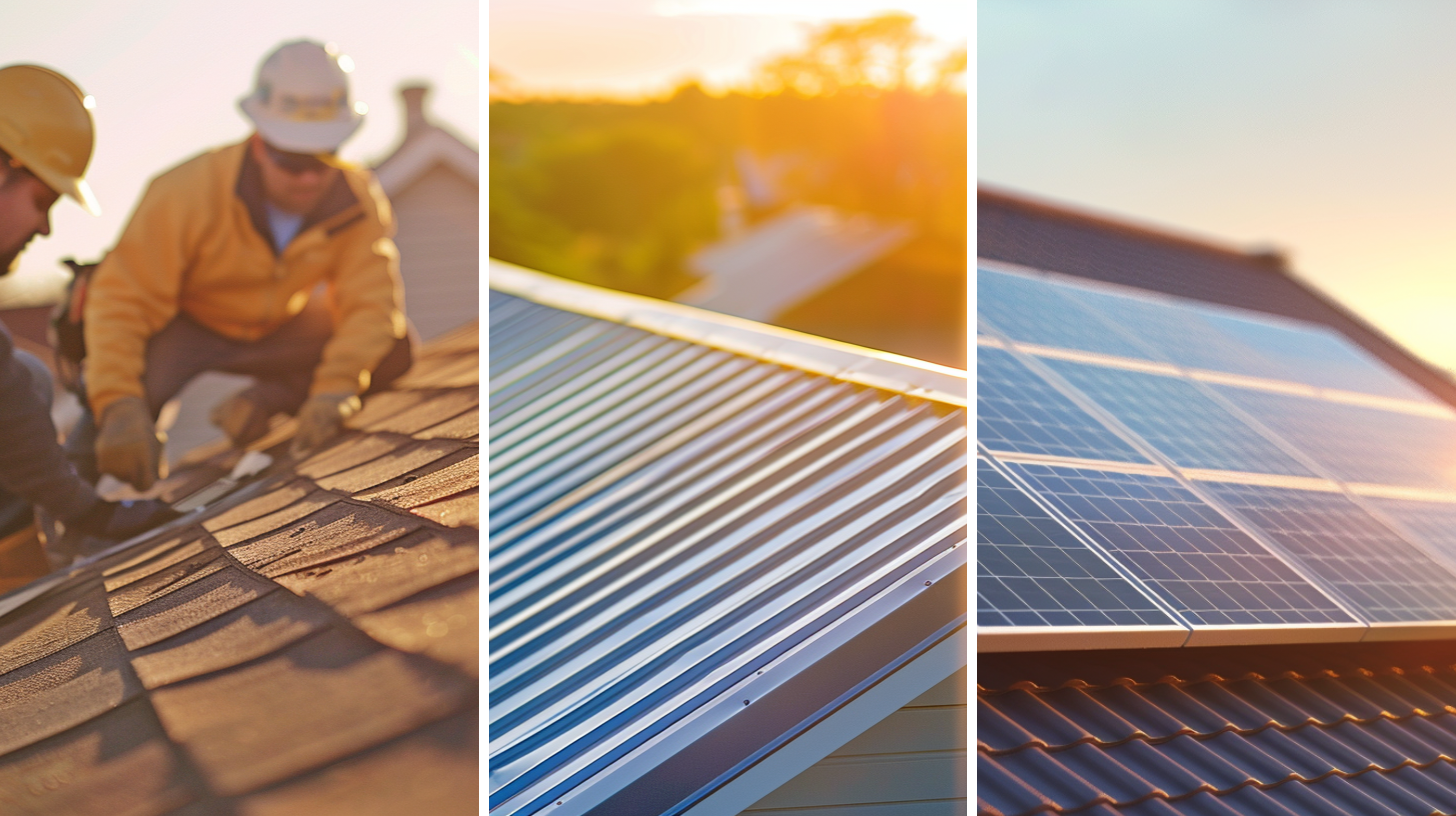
{"points": [[306, 645], [1364, 730], [676, 527]]}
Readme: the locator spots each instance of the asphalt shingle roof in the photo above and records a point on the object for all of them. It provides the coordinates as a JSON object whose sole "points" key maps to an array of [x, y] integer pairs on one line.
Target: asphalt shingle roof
{"points": [[306, 645]]}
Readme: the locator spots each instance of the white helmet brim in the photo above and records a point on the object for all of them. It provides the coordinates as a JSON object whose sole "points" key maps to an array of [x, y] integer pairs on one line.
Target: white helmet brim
{"points": [[300, 137]]}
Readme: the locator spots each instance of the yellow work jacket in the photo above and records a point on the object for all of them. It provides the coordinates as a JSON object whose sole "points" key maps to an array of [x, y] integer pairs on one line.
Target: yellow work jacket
{"points": [[199, 244]]}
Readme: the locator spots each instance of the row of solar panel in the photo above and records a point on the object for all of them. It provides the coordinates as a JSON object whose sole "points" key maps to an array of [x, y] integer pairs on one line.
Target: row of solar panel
{"points": [[1148, 545], [1049, 312]]}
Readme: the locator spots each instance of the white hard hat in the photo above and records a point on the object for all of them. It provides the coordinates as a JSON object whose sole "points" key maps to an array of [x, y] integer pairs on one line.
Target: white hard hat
{"points": [[301, 101]]}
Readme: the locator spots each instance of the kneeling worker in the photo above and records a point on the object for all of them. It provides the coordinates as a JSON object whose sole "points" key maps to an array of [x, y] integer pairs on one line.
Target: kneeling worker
{"points": [[46, 138], [218, 271]]}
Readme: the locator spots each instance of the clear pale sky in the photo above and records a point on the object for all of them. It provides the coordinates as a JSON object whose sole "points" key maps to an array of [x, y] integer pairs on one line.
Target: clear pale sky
{"points": [[1327, 128], [628, 47], [167, 75]]}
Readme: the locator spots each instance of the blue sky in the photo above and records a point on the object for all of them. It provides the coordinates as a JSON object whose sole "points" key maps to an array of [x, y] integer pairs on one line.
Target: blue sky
{"points": [[167, 75]]}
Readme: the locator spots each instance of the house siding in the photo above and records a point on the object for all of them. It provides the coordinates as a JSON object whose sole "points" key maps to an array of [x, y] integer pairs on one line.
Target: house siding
{"points": [[912, 763]]}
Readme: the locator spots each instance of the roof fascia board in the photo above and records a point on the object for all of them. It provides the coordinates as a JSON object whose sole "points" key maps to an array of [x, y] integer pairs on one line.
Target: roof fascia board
{"points": [[880, 701], [725, 737], [831, 358]]}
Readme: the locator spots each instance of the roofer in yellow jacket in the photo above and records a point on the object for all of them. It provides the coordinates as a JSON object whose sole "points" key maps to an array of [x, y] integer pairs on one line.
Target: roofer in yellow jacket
{"points": [[218, 270]]}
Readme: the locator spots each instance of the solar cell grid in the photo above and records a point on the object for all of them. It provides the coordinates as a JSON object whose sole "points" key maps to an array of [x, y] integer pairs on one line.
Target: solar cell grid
{"points": [[1207, 569], [1037, 311], [1018, 411], [1356, 443], [1433, 522], [1387, 578], [1180, 420], [1032, 571]]}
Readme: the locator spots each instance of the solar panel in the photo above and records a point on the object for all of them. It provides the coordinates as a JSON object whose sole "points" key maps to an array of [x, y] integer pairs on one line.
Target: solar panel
{"points": [[1032, 571], [1433, 523], [1037, 311], [1179, 419], [1181, 334], [1357, 443], [1384, 577], [1018, 411], [1316, 355], [1195, 559]]}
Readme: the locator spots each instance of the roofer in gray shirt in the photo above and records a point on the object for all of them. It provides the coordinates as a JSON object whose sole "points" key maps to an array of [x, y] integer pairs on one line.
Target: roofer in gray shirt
{"points": [[46, 138]]}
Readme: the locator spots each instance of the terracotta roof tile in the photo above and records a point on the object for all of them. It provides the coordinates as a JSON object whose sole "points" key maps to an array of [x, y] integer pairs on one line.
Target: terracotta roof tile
{"points": [[155, 559], [386, 574], [119, 762], [379, 407], [449, 372], [319, 700], [443, 623], [394, 464], [249, 632], [263, 525]]}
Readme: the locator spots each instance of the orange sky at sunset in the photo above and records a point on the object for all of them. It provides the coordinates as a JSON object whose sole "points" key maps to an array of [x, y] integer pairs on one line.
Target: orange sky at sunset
{"points": [[632, 47]]}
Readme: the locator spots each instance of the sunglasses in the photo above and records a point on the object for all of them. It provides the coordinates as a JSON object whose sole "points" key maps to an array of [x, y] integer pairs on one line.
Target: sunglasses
{"points": [[295, 164]]}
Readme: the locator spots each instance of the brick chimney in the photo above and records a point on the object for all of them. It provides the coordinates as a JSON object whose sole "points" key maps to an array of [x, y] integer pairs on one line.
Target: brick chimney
{"points": [[415, 122]]}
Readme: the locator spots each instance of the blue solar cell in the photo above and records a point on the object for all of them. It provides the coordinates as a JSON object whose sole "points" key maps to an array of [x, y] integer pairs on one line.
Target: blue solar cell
{"points": [[1179, 419], [1193, 557], [1038, 311], [1181, 334], [1018, 411], [1317, 356], [1434, 523], [1032, 571], [1384, 576], [1358, 444]]}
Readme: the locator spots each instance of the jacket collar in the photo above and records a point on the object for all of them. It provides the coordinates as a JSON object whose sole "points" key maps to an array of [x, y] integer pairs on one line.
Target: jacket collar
{"points": [[337, 199]]}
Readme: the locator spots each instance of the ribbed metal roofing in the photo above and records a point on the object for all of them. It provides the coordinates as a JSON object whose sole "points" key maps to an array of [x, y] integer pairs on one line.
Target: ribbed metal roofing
{"points": [[676, 530]]}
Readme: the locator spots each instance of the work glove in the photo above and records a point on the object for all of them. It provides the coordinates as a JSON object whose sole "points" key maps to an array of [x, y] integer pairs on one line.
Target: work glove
{"points": [[122, 520], [321, 418], [128, 445], [242, 418]]}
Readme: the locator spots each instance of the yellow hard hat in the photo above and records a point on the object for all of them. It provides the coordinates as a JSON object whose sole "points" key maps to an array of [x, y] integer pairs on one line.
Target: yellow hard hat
{"points": [[46, 127]]}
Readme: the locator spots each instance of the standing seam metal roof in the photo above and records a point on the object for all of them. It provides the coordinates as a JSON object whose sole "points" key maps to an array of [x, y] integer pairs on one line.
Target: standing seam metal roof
{"points": [[683, 535]]}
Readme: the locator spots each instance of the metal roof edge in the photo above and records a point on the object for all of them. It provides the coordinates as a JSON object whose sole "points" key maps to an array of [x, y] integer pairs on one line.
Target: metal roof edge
{"points": [[833, 732], [832, 358]]}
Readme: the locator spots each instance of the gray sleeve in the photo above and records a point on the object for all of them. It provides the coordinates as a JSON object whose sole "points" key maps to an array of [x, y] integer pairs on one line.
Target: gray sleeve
{"points": [[32, 464]]}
